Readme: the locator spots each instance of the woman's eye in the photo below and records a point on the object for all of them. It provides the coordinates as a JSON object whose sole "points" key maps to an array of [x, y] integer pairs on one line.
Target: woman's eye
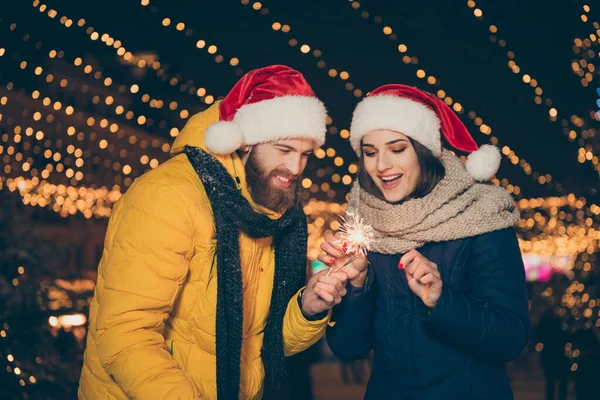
{"points": [[369, 154], [398, 151]]}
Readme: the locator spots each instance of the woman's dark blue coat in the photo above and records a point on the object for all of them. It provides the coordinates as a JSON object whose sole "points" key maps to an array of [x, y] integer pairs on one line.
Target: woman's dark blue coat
{"points": [[458, 349]]}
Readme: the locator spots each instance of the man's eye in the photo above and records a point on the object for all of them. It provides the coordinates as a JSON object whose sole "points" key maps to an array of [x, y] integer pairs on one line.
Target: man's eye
{"points": [[283, 151]]}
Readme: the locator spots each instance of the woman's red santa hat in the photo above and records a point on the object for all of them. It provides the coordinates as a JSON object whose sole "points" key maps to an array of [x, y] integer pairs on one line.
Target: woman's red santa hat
{"points": [[267, 104], [421, 116]]}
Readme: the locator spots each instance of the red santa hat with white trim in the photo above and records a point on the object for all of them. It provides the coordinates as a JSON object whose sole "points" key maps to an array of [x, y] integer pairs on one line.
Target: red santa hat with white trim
{"points": [[265, 105], [421, 116]]}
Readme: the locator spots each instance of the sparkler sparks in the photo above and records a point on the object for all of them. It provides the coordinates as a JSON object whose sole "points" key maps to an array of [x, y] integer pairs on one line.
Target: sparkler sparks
{"points": [[355, 237], [356, 234]]}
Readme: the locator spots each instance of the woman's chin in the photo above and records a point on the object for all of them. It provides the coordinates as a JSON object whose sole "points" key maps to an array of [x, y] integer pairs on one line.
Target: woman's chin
{"points": [[393, 196]]}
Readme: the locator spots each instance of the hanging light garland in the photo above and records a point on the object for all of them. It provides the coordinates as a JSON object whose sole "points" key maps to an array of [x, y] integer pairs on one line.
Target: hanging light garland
{"points": [[201, 44], [576, 122], [188, 86]]}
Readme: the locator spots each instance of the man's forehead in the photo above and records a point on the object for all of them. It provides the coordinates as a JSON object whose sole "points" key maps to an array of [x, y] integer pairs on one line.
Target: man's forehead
{"points": [[298, 144]]}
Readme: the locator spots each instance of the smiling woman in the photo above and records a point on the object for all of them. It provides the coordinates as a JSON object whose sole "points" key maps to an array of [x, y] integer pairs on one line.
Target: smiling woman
{"points": [[444, 250], [395, 167]]}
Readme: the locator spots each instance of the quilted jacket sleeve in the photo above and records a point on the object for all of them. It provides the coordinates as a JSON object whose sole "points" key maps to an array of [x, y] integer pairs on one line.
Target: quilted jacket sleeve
{"points": [[491, 321], [149, 246], [299, 333]]}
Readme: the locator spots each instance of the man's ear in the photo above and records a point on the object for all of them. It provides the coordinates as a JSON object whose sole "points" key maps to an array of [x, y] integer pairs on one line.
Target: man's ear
{"points": [[244, 152]]}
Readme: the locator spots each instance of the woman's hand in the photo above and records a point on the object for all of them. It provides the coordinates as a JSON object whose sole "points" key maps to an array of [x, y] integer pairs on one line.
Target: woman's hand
{"points": [[335, 258], [423, 277]]}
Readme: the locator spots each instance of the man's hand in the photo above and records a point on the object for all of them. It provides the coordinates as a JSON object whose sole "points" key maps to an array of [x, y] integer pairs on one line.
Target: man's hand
{"points": [[335, 258], [323, 292]]}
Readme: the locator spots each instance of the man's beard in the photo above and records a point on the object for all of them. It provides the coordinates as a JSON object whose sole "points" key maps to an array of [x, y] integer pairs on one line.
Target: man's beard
{"points": [[263, 192]]}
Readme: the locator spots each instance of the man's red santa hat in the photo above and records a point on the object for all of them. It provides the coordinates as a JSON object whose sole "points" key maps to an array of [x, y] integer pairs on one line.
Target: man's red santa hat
{"points": [[421, 116], [267, 104]]}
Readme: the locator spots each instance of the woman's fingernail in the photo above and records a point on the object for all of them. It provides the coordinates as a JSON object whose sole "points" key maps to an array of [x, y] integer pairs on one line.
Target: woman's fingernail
{"points": [[400, 266], [332, 260], [345, 247]]}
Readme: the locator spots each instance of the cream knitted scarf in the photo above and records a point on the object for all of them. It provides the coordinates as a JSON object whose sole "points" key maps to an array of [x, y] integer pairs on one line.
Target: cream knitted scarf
{"points": [[456, 208]]}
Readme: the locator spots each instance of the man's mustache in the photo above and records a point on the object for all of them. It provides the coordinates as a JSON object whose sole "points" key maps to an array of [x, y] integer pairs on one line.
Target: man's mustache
{"points": [[285, 173]]}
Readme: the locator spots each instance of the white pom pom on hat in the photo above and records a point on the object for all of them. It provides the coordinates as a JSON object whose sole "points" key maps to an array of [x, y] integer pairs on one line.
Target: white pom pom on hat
{"points": [[223, 137], [484, 162]]}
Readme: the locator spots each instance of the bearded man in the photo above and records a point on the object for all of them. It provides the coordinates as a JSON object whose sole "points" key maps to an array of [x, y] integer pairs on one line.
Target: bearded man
{"points": [[200, 287]]}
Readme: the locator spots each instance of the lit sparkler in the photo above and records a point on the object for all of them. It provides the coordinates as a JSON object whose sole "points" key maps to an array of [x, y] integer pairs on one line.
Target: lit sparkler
{"points": [[355, 237]]}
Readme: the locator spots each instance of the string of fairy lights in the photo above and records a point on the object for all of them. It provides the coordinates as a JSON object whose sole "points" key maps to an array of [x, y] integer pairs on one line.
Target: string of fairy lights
{"points": [[103, 144], [585, 68], [14, 366], [586, 57], [575, 302], [64, 199], [201, 44], [44, 189], [89, 201], [306, 48], [102, 123], [109, 100], [62, 158], [57, 156], [188, 86], [583, 46], [571, 127], [587, 77]]}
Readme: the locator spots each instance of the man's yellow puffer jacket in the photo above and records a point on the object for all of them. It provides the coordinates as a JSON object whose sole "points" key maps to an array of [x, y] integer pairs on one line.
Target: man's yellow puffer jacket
{"points": [[152, 319]]}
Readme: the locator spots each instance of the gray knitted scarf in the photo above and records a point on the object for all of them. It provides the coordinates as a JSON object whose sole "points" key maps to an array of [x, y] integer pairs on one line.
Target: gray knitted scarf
{"points": [[456, 208]]}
